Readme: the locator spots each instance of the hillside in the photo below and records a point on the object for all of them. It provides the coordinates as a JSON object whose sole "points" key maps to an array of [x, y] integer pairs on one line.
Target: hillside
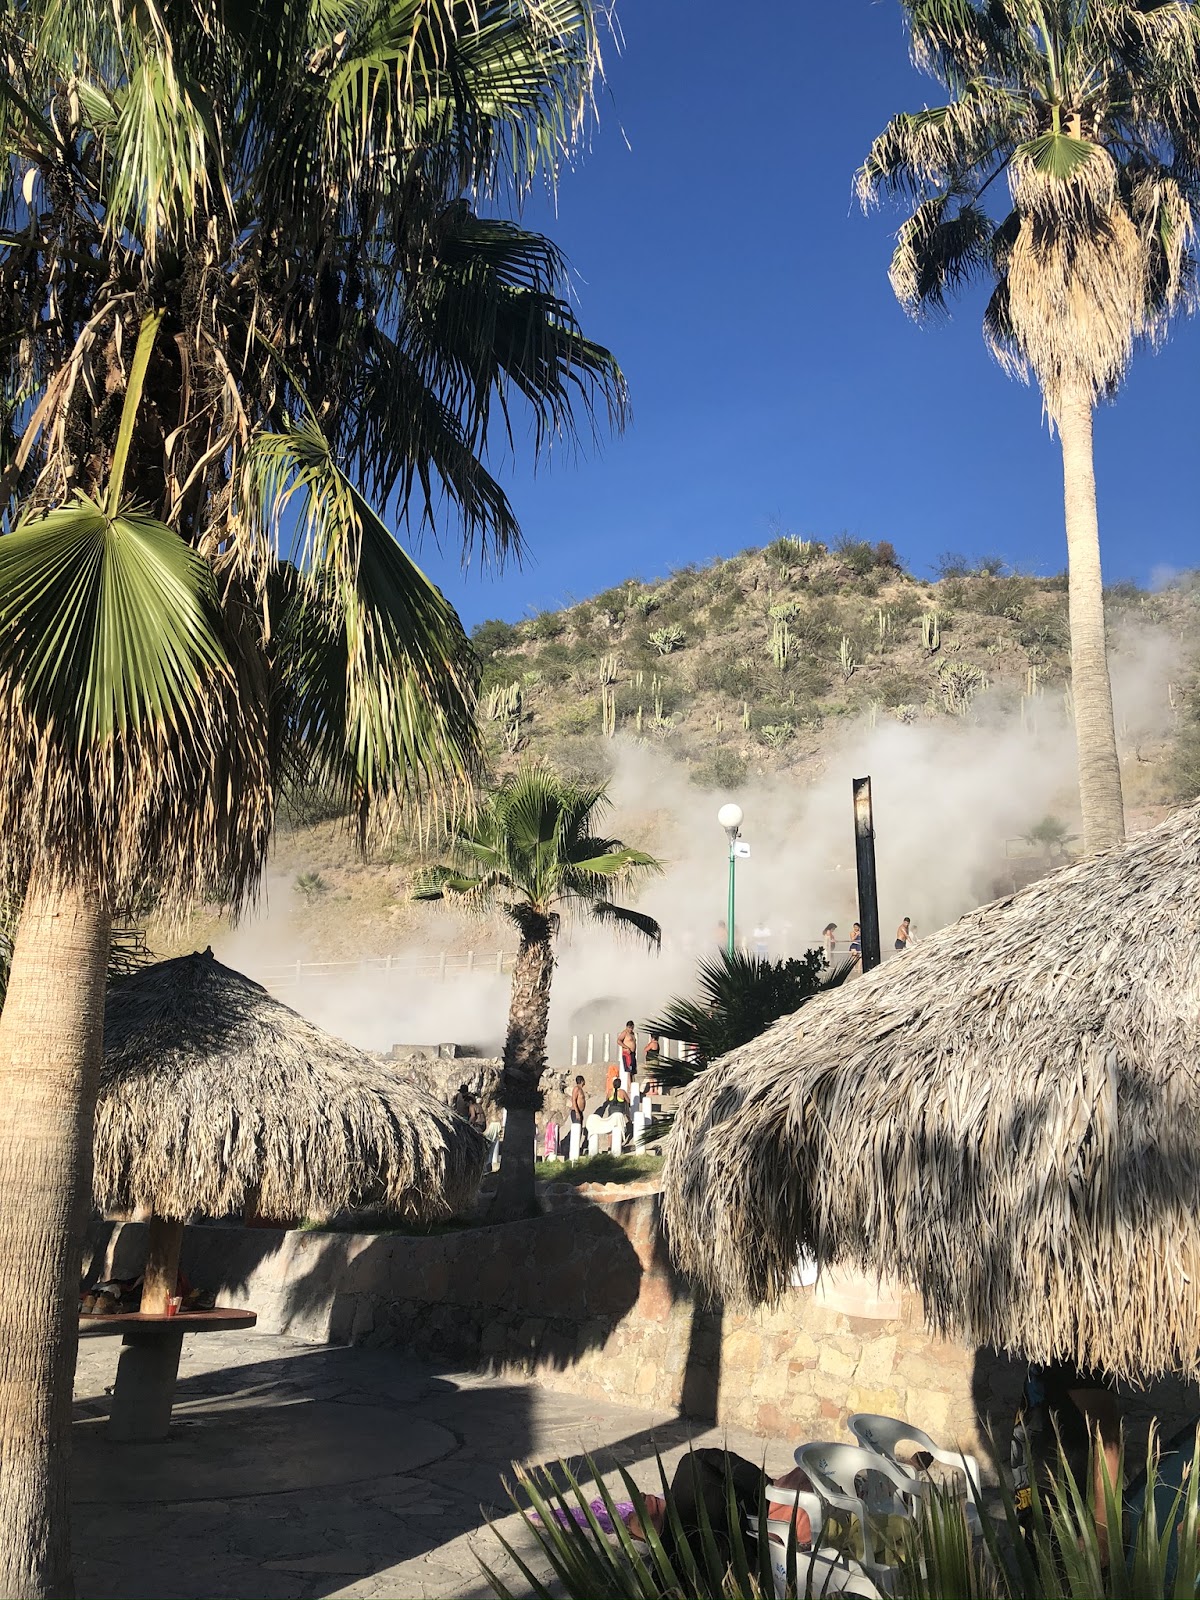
{"points": [[758, 669], [752, 665]]}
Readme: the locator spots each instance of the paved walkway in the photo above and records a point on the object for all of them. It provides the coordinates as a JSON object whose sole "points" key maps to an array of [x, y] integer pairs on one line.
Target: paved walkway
{"points": [[297, 1471]]}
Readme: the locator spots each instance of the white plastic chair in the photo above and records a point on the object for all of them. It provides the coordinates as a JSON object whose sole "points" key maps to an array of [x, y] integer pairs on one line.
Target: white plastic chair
{"points": [[885, 1435], [836, 1472], [820, 1571]]}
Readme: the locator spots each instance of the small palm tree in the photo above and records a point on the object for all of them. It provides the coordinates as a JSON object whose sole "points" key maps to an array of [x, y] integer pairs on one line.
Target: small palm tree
{"points": [[1090, 112], [740, 997], [534, 853]]}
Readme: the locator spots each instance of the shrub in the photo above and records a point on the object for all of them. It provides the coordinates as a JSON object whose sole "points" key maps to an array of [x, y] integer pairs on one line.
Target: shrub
{"points": [[776, 734], [493, 635], [500, 670], [722, 768], [728, 675], [856, 554], [886, 557], [645, 602], [546, 625], [899, 688], [1001, 597], [953, 564]]}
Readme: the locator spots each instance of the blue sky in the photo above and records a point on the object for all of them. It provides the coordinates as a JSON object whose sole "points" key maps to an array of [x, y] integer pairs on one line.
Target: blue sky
{"points": [[776, 384]]}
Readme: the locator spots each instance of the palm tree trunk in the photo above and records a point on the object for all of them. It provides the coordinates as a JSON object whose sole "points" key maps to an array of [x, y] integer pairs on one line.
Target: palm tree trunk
{"points": [[1099, 769], [51, 1037], [524, 1061]]}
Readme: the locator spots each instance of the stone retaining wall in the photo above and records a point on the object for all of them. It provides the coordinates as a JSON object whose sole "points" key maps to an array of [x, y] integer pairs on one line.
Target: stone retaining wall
{"points": [[586, 1298]]}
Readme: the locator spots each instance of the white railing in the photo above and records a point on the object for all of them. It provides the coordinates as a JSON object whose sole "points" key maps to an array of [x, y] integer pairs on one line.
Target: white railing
{"points": [[436, 964]]}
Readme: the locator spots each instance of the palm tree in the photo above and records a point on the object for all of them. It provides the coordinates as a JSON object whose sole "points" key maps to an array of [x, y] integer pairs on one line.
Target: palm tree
{"points": [[533, 853], [740, 997], [1089, 110], [252, 301]]}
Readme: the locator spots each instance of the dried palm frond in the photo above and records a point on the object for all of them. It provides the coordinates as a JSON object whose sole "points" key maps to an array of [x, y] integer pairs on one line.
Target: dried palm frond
{"points": [[213, 1091], [1006, 1118]]}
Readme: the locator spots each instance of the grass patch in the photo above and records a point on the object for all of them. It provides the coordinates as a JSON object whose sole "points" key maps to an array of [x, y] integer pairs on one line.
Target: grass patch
{"points": [[604, 1168]]}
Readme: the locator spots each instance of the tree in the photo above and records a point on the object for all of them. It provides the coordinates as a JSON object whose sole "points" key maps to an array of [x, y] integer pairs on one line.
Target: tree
{"points": [[1090, 111], [251, 301], [740, 997], [1051, 836], [534, 854]]}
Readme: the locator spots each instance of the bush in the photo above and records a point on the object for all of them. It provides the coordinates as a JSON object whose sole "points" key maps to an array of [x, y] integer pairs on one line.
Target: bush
{"points": [[886, 557], [493, 635], [546, 625], [953, 564], [1001, 597], [728, 675], [856, 554], [722, 768]]}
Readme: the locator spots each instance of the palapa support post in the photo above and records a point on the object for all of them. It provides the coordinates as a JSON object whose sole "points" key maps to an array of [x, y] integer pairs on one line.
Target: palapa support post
{"points": [[163, 1243], [868, 893], [145, 1386]]}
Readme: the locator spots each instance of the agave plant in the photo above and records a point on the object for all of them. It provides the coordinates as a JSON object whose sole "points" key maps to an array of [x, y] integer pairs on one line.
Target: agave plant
{"points": [[1057, 1550]]}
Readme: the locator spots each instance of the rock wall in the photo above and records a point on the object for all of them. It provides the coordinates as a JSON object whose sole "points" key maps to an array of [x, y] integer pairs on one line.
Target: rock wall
{"points": [[586, 1298]]}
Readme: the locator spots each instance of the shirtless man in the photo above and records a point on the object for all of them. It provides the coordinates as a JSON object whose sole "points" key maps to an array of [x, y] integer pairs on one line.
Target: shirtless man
{"points": [[578, 1101], [627, 1041], [904, 934]]}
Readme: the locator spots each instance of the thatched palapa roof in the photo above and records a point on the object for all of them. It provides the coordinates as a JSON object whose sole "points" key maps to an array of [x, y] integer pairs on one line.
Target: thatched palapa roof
{"points": [[1005, 1117], [213, 1090]]}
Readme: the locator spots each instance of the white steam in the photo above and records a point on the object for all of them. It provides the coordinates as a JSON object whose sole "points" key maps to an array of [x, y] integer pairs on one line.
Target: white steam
{"points": [[952, 799]]}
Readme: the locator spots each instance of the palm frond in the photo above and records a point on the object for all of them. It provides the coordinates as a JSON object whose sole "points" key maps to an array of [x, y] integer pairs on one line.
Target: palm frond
{"points": [[385, 677], [106, 622], [491, 320], [624, 920]]}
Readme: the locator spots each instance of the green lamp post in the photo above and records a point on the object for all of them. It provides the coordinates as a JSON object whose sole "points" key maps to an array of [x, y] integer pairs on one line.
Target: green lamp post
{"points": [[730, 818]]}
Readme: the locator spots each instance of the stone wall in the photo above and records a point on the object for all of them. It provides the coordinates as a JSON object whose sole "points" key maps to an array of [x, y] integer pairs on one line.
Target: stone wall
{"points": [[586, 1298]]}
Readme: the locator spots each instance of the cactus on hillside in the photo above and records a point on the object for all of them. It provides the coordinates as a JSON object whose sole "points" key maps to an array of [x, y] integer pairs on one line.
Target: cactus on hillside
{"points": [[782, 645], [669, 639]]}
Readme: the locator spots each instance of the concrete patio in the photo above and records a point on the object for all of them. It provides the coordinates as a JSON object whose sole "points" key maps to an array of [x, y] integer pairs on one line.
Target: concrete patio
{"points": [[295, 1471]]}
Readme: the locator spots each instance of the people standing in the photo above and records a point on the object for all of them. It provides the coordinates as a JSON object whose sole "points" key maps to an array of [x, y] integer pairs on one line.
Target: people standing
{"points": [[855, 950], [627, 1042], [461, 1104], [829, 941], [904, 934], [762, 941]]}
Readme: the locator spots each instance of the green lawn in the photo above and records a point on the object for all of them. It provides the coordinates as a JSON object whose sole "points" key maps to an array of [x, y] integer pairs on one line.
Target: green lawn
{"points": [[604, 1168]]}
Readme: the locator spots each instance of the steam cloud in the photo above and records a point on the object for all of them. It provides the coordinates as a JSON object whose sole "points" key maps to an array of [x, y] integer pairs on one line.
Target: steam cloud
{"points": [[952, 798]]}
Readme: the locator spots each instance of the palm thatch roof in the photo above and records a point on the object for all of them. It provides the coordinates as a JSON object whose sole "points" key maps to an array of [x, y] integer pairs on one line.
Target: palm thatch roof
{"points": [[212, 1090], [1005, 1117]]}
